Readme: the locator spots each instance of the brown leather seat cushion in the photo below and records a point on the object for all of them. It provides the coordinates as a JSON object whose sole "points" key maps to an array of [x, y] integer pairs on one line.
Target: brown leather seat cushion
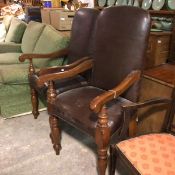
{"points": [[60, 85], [73, 106]]}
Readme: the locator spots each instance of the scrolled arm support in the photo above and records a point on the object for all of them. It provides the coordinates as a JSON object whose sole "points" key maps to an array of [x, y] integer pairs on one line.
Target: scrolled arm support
{"points": [[98, 102], [61, 68], [57, 54], [73, 69]]}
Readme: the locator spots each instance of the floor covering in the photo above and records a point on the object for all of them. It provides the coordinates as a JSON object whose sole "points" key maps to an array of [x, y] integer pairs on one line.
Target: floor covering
{"points": [[25, 149]]}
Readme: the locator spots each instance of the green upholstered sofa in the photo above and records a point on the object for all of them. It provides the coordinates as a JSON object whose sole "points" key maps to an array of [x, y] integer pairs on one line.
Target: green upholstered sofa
{"points": [[14, 88], [11, 33]]}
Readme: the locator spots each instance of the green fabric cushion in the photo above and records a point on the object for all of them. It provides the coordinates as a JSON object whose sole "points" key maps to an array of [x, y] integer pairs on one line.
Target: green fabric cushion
{"points": [[9, 58], [16, 31], [2, 32], [51, 40], [10, 47], [6, 21], [31, 36], [14, 74]]}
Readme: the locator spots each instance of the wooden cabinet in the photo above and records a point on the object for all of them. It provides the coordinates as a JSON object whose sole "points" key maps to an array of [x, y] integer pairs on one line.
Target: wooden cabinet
{"points": [[161, 47], [158, 48]]}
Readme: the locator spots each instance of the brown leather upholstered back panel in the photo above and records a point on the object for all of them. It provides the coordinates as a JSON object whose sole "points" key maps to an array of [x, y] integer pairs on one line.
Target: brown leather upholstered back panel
{"points": [[82, 33], [120, 45]]}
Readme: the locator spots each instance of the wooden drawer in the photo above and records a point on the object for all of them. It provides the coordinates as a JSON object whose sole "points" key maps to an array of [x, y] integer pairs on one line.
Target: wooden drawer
{"points": [[163, 43], [158, 49], [161, 57]]}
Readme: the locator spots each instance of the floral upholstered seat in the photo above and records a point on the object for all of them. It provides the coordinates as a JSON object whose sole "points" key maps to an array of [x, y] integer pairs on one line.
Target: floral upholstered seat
{"points": [[152, 154]]}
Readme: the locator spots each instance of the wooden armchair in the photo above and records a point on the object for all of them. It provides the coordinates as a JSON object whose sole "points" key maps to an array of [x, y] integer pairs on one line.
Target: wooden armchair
{"points": [[80, 46], [152, 153], [120, 43]]}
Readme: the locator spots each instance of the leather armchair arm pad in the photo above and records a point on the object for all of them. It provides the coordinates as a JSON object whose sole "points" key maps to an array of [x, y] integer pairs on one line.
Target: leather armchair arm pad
{"points": [[98, 102], [56, 54], [70, 71]]}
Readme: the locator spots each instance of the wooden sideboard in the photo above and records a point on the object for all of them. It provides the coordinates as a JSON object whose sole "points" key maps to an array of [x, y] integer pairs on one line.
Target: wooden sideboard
{"points": [[158, 48], [161, 47]]}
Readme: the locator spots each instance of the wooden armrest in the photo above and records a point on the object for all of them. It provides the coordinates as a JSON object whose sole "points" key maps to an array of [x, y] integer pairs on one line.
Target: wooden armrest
{"points": [[30, 56], [57, 69], [75, 69], [98, 102], [153, 101]]}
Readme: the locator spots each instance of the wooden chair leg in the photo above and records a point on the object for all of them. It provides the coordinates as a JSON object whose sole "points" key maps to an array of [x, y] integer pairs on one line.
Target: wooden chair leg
{"points": [[35, 103], [102, 140], [112, 162], [102, 161], [55, 134], [34, 94]]}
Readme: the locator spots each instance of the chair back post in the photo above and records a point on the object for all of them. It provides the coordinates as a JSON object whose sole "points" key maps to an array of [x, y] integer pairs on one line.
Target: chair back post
{"points": [[169, 118]]}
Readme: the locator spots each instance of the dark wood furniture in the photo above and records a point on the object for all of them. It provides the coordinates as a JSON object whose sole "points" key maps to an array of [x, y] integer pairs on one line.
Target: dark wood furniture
{"points": [[161, 44], [156, 82], [152, 153], [158, 49], [97, 109], [79, 47], [161, 47]]}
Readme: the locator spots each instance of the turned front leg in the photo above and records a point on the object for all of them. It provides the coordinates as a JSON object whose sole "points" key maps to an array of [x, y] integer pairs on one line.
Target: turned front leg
{"points": [[34, 94], [55, 134], [35, 103], [102, 140]]}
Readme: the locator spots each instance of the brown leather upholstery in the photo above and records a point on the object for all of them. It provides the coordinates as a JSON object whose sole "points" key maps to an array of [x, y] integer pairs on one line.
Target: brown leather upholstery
{"points": [[120, 43], [120, 47], [60, 85], [80, 46], [77, 112], [82, 34]]}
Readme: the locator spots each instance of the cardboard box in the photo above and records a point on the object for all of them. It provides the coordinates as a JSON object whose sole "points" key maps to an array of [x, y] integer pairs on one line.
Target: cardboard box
{"points": [[61, 19], [45, 14]]}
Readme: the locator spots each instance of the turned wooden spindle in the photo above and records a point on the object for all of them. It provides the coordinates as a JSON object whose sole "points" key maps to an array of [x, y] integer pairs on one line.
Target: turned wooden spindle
{"points": [[31, 68], [102, 139], [34, 94], [53, 121]]}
